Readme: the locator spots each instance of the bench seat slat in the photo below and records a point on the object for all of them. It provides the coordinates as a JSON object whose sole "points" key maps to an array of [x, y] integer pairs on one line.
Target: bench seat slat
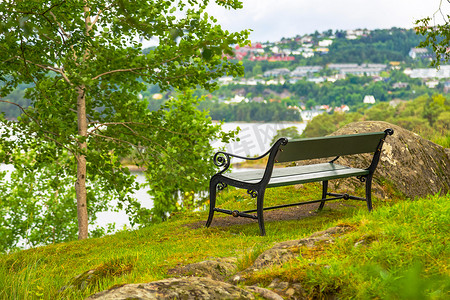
{"points": [[318, 176], [299, 174]]}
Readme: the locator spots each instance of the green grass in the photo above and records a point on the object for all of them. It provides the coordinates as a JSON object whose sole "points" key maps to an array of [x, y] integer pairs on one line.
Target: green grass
{"points": [[405, 251]]}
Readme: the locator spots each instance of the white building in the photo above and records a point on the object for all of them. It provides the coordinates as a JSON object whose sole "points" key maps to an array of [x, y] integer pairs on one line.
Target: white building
{"points": [[325, 43], [369, 99], [237, 99]]}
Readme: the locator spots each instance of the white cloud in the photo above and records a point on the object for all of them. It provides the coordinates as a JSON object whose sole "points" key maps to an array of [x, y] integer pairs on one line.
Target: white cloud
{"points": [[273, 19]]}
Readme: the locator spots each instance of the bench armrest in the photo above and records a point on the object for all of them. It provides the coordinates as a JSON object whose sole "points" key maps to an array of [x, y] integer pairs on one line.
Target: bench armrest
{"points": [[223, 159]]}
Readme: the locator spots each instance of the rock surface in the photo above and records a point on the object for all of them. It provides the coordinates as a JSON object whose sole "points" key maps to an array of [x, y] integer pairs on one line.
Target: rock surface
{"points": [[224, 268], [176, 288], [417, 167], [216, 268], [285, 251]]}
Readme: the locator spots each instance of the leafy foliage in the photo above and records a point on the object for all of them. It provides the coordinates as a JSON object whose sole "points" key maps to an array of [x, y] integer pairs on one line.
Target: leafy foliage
{"points": [[185, 166], [437, 36], [86, 69], [38, 205], [426, 115], [288, 132]]}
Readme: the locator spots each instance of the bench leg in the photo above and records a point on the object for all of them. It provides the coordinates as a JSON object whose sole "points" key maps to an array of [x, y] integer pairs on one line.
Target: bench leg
{"points": [[259, 211], [369, 192], [324, 193], [212, 200]]}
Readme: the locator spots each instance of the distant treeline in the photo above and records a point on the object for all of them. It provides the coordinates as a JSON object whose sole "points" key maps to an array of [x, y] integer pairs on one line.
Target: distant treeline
{"points": [[349, 91], [428, 116], [248, 112], [380, 46]]}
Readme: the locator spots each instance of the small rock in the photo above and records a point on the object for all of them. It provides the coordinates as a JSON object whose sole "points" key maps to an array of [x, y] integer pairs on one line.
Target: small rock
{"points": [[217, 268]]}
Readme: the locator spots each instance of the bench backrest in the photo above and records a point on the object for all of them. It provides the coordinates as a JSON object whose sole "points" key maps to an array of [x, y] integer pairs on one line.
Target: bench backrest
{"points": [[329, 146]]}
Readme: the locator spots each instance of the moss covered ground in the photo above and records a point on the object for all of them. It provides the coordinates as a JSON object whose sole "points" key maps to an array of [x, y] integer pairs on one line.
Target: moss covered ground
{"points": [[399, 251]]}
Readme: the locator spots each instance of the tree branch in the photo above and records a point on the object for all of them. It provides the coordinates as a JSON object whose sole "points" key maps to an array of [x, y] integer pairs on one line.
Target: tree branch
{"points": [[133, 70], [61, 29], [120, 141], [37, 13], [56, 70], [99, 13], [117, 71], [137, 123], [22, 109]]}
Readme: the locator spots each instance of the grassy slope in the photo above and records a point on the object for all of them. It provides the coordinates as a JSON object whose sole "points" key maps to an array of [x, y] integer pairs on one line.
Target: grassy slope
{"points": [[404, 254]]}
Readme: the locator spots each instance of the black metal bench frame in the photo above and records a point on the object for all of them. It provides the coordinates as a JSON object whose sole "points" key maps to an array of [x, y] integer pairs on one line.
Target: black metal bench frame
{"points": [[256, 181]]}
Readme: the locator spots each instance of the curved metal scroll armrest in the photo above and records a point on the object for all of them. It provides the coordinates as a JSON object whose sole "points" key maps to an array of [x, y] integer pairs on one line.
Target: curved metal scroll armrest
{"points": [[389, 131], [223, 159]]}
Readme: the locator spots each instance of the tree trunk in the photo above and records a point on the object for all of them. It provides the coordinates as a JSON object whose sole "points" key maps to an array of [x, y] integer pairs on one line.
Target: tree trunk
{"points": [[80, 185]]}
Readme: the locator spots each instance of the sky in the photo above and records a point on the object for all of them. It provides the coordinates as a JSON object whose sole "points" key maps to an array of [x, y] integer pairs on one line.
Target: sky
{"points": [[271, 20]]}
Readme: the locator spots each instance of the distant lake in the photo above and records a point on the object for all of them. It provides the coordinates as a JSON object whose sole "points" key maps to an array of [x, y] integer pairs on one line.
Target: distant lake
{"points": [[255, 139]]}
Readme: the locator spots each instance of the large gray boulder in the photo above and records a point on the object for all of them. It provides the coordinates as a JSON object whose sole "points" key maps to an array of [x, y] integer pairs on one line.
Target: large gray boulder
{"points": [[417, 167]]}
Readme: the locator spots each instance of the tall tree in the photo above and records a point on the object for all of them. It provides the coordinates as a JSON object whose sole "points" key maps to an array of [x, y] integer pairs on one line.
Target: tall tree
{"points": [[85, 61]]}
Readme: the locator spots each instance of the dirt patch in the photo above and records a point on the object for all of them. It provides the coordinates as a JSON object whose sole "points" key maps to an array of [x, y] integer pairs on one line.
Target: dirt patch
{"points": [[285, 214]]}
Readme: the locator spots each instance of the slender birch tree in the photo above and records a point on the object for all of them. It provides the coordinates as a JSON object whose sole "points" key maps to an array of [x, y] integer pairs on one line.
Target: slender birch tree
{"points": [[85, 62]]}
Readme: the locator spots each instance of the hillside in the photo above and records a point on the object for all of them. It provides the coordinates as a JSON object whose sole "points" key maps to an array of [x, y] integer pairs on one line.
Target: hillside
{"points": [[399, 251], [337, 69]]}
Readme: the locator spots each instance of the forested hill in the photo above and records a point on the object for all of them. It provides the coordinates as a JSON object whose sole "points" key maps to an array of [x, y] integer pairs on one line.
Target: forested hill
{"points": [[374, 46], [381, 46]]}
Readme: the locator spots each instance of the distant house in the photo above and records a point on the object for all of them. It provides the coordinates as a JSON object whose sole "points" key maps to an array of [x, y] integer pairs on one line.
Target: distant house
{"points": [[303, 71], [322, 50], [443, 72], [325, 43], [416, 53], [369, 99], [359, 70], [275, 49], [306, 52], [224, 80], [236, 99], [276, 72], [342, 108], [275, 81], [281, 58], [316, 79], [341, 66], [308, 115], [335, 77], [400, 85], [432, 83], [306, 39]]}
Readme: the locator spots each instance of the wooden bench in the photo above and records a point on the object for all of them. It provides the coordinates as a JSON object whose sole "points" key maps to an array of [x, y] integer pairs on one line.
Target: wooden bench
{"points": [[256, 181]]}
